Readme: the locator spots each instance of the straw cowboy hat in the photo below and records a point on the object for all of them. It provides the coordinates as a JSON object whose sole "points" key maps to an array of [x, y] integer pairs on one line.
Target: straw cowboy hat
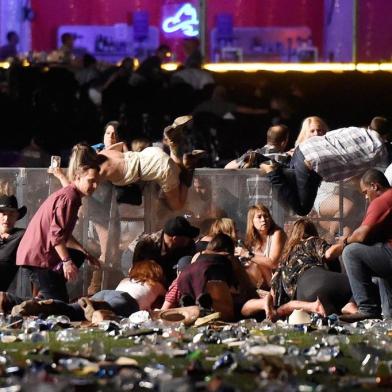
{"points": [[187, 315]]}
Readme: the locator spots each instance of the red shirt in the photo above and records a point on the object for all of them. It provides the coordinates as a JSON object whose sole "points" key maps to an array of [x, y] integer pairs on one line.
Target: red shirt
{"points": [[379, 218], [173, 294], [52, 223]]}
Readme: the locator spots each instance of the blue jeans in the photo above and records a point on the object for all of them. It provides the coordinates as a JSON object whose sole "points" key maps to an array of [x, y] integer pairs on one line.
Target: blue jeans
{"points": [[121, 303], [362, 262], [297, 186]]}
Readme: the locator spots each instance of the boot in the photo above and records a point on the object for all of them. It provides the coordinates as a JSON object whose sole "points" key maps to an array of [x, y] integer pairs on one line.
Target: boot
{"points": [[90, 306], [32, 307], [95, 283], [102, 315]]}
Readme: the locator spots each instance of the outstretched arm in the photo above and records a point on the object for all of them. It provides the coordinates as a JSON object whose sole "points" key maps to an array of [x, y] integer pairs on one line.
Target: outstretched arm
{"points": [[59, 174], [232, 165]]}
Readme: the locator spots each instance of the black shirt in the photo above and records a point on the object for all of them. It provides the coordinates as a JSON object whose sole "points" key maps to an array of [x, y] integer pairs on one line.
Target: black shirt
{"points": [[8, 246]]}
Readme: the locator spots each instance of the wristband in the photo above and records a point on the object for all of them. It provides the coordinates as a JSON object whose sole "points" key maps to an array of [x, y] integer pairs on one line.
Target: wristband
{"points": [[66, 259]]}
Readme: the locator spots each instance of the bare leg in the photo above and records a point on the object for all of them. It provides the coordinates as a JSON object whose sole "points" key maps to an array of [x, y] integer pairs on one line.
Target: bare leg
{"points": [[176, 198], [310, 307], [330, 208], [254, 306]]}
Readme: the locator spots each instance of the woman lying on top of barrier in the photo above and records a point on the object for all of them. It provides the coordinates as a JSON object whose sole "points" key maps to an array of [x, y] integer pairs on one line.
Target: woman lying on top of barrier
{"points": [[303, 280], [173, 173]]}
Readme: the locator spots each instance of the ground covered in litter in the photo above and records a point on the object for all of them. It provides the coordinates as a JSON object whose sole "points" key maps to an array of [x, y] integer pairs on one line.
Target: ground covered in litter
{"points": [[56, 355]]}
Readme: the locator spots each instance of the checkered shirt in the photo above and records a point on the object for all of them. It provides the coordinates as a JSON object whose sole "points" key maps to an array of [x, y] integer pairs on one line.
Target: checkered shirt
{"points": [[344, 153]]}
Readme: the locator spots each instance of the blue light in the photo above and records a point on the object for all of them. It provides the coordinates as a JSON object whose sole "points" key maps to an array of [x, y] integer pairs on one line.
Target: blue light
{"points": [[185, 20]]}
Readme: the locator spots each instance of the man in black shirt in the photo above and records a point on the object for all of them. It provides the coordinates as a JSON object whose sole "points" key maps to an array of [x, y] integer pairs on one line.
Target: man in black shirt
{"points": [[10, 237]]}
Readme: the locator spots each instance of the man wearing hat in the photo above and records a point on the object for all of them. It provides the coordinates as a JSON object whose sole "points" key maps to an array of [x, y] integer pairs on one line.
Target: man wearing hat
{"points": [[10, 237], [166, 246]]}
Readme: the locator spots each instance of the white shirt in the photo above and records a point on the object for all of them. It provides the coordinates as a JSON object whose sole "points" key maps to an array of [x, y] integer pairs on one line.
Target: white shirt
{"points": [[388, 174], [344, 153], [143, 293]]}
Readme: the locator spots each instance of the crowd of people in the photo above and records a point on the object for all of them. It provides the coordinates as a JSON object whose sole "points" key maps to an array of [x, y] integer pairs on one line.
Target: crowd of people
{"points": [[263, 271], [268, 272]]}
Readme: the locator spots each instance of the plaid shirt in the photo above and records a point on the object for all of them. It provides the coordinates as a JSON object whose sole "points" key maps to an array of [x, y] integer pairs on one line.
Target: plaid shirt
{"points": [[344, 153]]}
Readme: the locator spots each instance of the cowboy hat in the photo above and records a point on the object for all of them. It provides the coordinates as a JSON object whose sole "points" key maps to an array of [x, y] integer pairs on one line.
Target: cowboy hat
{"points": [[299, 316], [187, 315], [9, 203]]}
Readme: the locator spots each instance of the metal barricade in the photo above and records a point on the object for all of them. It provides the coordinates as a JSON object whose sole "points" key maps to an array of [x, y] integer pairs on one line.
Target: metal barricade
{"points": [[107, 229]]}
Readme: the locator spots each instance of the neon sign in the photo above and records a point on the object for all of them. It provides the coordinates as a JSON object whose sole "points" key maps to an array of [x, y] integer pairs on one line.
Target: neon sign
{"points": [[184, 20]]}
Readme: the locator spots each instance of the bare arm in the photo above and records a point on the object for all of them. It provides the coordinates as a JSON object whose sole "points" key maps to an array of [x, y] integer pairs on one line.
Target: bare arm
{"points": [[361, 234], [120, 146], [232, 165], [59, 174]]}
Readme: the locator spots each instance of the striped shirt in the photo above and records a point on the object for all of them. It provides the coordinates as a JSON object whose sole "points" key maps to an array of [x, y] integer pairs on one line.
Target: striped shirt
{"points": [[344, 153], [173, 294]]}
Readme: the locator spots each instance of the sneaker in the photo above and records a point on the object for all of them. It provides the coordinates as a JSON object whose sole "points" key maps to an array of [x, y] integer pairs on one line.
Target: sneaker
{"points": [[358, 316], [173, 134], [33, 307]]}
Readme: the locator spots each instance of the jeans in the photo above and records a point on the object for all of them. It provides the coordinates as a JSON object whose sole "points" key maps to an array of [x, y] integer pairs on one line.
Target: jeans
{"points": [[297, 186], [362, 262], [8, 271], [52, 284], [121, 303]]}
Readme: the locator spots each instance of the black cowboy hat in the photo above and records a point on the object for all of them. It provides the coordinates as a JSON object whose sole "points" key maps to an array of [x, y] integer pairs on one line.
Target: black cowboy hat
{"points": [[9, 203]]}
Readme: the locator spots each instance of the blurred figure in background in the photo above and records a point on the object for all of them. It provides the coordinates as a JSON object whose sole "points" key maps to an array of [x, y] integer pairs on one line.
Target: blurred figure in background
{"points": [[10, 48]]}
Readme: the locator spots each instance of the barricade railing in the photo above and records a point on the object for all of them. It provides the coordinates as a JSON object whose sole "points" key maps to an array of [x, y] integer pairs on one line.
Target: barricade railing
{"points": [[107, 228]]}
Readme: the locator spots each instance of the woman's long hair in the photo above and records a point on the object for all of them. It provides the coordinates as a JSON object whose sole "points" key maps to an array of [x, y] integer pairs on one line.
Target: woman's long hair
{"points": [[82, 155], [253, 237], [225, 226], [304, 132], [147, 271], [302, 229]]}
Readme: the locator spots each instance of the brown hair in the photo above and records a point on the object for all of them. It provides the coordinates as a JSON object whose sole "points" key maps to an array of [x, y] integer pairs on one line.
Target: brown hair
{"points": [[302, 228], [140, 143], [253, 237], [277, 134], [147, 271], [223, 225]]}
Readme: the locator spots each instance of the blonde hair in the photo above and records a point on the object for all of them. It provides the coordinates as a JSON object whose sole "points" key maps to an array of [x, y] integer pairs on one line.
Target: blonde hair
{"points": [[82, 155], [223, 226], [253, 237], [304, 132]]}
